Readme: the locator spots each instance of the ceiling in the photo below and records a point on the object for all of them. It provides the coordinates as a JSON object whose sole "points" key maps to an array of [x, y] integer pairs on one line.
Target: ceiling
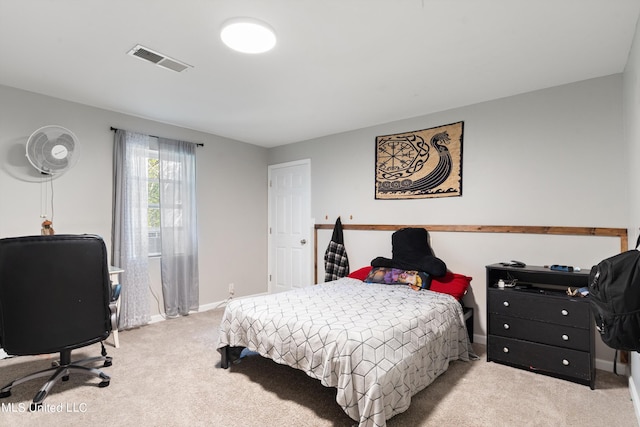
{"points": [[339, 65]]}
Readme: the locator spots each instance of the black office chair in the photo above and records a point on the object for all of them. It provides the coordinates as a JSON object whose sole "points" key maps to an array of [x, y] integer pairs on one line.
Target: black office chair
{"points": [[55, 296]]}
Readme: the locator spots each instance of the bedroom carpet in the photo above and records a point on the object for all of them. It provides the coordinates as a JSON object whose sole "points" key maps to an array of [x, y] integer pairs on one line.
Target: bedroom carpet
{"points": [[167, 374]]}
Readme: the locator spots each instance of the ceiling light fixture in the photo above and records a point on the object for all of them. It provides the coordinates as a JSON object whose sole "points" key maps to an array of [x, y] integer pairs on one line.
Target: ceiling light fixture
{"points": [[248, 35]]}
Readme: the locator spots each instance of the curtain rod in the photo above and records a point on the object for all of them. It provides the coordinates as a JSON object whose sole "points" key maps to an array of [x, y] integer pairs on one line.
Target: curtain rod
{"points": [[153, 136]]}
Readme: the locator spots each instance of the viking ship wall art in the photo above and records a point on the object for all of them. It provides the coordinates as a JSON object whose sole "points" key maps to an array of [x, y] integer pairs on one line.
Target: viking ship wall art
{"points": [[420, 164]]}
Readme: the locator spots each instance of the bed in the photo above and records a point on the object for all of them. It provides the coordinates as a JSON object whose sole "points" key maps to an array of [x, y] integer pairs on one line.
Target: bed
{"points": [[377, 344]]}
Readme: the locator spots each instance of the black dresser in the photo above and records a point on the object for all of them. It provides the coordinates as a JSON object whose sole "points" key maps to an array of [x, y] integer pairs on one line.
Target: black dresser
{"points": [[533, 324]]}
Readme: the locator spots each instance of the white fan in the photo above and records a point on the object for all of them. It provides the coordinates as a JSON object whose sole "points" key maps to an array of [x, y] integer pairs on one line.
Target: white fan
{"points": [[52, 150]]}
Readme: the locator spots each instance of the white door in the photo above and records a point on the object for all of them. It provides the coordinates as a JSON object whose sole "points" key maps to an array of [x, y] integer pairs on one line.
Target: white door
{"points": [[289, 226]]}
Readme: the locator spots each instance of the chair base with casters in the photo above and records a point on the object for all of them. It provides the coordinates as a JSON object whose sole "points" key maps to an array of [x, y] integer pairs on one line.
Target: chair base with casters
{"points": [[60, 370]]}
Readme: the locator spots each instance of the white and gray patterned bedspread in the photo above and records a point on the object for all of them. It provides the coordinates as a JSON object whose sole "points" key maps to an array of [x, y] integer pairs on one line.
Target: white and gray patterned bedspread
{"points": [[377, 344]]}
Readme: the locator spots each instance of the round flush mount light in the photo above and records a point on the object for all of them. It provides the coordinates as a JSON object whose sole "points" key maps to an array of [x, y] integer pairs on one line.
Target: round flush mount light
{"points": [[248, 35]]}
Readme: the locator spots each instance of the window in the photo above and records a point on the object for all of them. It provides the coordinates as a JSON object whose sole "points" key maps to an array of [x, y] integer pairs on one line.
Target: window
{"points": [[154, 214], [153, 205], [172, 209]]}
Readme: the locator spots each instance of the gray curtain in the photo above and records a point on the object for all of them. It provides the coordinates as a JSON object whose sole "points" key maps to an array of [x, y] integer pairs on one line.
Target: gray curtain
{"points": [[130, 237], [178, 225]]}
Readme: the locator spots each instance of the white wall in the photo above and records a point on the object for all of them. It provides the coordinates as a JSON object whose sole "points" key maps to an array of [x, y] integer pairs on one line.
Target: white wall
{"points": [[632, 137], [552, 157], [231, 180]]}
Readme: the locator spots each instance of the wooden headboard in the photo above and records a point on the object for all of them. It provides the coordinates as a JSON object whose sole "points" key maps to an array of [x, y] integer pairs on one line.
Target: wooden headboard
{"points": [[521, 229]]}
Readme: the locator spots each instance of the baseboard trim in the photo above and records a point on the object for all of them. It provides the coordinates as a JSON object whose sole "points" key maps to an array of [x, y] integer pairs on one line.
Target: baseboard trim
{"points": [[205, 307], [607, 365], [633, 391]]}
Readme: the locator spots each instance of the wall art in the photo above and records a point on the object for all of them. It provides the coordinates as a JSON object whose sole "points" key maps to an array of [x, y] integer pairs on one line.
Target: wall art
{"points": [[420, 164]]}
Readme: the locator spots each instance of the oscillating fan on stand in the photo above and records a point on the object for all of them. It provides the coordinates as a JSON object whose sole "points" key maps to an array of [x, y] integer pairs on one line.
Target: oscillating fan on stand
{"points": [[52, 150]]}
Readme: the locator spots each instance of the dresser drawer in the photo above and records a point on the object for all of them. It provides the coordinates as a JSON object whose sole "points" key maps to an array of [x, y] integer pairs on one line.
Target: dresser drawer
{"points": [[544, 308], [542, 332], [542, 358]]}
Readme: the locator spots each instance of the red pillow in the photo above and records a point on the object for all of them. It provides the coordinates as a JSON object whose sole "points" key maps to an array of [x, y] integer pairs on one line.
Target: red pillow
{"points": [[361, 273], [452, 284]]}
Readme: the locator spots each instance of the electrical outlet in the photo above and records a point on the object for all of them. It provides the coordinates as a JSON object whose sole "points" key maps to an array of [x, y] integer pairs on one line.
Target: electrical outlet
{"points": [[232, 289]]}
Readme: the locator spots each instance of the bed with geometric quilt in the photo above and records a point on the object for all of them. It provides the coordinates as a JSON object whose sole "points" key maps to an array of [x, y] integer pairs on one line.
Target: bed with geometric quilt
{"points": [[377, 344]]}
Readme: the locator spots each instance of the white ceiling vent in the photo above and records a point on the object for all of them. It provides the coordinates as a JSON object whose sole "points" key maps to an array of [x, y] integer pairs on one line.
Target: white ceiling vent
{"points": [[147, 54]]}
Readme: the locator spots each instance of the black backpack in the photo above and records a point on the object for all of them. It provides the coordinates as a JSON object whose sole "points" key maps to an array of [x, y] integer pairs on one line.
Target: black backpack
{"points": [[614, 293]]}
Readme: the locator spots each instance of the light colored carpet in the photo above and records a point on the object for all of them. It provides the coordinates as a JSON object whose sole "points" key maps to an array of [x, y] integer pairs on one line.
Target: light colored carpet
{"points": [[167, 374]]}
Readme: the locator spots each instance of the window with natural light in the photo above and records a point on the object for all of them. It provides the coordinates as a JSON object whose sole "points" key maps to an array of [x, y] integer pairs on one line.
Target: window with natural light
{"points": [[153, 206]]}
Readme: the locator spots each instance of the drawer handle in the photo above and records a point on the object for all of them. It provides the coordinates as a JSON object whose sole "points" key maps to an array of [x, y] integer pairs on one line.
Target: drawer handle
{"points": [[506, 326], [505, 349], [564, 312], [565, 337], [506, 303], [565, 362]]}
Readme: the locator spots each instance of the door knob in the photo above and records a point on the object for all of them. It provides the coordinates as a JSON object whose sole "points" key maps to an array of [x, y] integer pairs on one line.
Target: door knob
{"points": [[303, 241]]}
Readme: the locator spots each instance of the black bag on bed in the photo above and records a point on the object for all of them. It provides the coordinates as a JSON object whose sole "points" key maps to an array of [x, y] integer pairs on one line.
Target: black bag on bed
{"points": [[614, 293]]}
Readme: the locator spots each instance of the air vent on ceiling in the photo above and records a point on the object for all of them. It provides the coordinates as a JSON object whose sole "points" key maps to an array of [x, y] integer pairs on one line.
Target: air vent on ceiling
{"points": [[147, 54]]}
